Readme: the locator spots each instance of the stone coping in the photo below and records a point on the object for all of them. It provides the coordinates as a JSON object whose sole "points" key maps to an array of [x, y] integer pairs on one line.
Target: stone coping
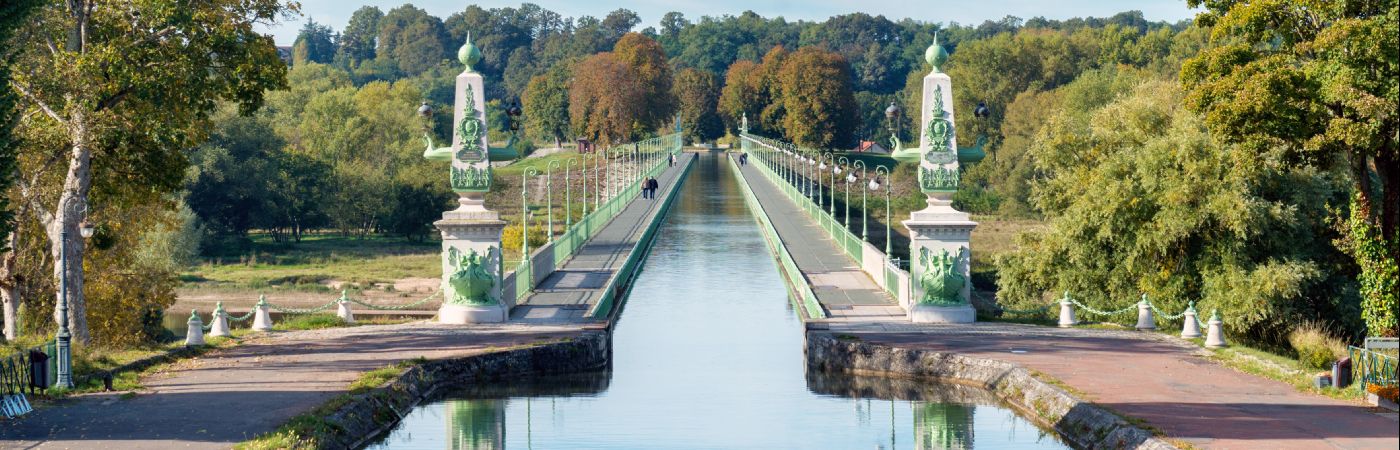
{"points": [[1080, 423], [369, 416]]}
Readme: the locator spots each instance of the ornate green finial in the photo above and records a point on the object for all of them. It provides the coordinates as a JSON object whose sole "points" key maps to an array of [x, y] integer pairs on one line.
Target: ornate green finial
{"points": [[194, 315], [1215, 315], [935, 55], [262, 300], [1144, 299], [1066, 297], [343, 297], [469, 55], [218, 307], [1191, 306]]}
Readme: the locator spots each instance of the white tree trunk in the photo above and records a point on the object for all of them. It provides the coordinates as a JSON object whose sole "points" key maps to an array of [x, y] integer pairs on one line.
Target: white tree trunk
{"points": [[9, 291], [74, 197]]}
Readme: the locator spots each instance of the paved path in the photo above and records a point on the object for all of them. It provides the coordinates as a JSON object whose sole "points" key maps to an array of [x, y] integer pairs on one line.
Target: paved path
{"points": [[231, 395], [845, 292], [575, 286], [1160, 379]]}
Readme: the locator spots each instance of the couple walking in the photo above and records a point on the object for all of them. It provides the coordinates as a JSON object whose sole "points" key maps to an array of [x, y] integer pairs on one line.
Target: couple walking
{"points": [[649, 188]]}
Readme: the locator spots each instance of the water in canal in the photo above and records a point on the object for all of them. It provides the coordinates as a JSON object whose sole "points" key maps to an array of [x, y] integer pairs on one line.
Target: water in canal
{"points": [[709, 354]]}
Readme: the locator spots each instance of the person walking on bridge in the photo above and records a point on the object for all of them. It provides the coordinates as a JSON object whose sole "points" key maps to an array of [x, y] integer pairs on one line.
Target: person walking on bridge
{"points": [[673, 160], [743, 159], [649, 188]]}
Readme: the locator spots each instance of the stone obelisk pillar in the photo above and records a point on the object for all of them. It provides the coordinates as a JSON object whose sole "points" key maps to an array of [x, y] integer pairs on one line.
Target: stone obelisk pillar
{"points": [[471, 234], [939, 249]]}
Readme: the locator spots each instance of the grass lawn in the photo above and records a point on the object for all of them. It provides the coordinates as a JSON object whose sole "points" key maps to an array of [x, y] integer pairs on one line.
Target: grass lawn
{"points": [[311, 264]]}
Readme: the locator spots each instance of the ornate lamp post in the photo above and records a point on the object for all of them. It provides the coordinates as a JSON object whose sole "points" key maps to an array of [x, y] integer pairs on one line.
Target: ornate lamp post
{"points": [[821, 169], [892, 122], [864, 193], [850, 178], [63, 340], [549, 194], [568, 196], [876, 185], [525, 212]]}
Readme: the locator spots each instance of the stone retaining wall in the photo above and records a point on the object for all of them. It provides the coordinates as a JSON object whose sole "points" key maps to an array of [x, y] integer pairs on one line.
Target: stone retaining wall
{"points": [[366, 416], [1081, 423]]}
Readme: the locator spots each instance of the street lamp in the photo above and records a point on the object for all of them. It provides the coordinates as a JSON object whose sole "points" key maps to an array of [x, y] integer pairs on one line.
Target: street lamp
{"points": [[64, 339], [892, 116], [525, 213], [864, 192], [876, 185], [549, 193]]}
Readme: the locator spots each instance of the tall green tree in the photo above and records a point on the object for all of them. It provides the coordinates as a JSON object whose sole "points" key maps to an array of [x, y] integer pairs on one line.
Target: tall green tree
{"points": [[116, 97], [697, 92], [412, 39], [358, 39], [546, 107], [315, 43], [1321, 80], [12, 15]]}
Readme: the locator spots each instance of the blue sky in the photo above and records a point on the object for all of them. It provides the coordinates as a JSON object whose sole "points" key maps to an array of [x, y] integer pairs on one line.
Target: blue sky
{"points": [[336, 12]]}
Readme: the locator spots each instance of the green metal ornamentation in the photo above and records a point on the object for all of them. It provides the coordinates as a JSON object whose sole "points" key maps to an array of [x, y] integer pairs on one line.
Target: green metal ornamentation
{"points": [[471, 282], [940, 132], [469, 130], [939, 179], [471, 179], [942, 280]]}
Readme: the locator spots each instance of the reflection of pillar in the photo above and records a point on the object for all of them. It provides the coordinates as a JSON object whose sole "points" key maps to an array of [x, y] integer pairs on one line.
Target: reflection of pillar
{"points": [[942, 426], [477, 424]]}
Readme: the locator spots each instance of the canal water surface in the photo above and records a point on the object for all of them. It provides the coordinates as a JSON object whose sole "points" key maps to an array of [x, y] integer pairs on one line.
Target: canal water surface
{"points": [[708, 354]]}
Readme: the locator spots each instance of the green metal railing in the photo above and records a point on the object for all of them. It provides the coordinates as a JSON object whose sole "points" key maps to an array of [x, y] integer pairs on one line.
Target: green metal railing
{"points": [[577, 235], [1372, 367], [806, 299]]}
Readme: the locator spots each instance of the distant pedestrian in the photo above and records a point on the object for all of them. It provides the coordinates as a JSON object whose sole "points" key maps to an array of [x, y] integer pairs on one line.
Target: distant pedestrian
{"points": [[649, 188], [673, 160], [743, 159]]}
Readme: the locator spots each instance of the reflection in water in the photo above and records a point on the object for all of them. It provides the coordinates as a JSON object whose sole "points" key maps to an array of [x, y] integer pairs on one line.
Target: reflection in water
{"points": [[709, 355]]}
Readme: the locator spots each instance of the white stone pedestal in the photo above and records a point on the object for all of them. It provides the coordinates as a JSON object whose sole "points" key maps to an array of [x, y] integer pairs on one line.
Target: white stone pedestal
{"points": [[937, 228], [943, 314], [465, 314], [471, 228]]}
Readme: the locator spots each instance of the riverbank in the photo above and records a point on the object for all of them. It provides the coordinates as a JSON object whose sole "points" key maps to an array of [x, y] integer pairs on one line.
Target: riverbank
{"points": [[1096, 387], [232, 395]]}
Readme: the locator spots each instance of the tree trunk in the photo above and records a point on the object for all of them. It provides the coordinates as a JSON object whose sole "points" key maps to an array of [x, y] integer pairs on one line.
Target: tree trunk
{"points": [[74, 197], [9, 288]]}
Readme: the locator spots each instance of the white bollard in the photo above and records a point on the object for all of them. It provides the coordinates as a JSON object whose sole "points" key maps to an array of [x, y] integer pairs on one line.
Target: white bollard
{"points": [[220, 327], [1145, 322], [344, 310], [194, 334], [1190, 328], [1215, 335], [1067, 312], [262, 320]]}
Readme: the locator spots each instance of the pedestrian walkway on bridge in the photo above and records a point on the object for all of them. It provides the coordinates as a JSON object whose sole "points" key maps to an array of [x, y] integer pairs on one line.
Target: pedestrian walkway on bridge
{"points": [[845, 292], [579, 284]]}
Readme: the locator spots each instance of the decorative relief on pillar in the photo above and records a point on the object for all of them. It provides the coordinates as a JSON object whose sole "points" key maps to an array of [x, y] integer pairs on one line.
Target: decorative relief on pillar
{"points": [[469, 130], [942, 278], [471, 281], [939, 179], [471, 179], [940, 132]]}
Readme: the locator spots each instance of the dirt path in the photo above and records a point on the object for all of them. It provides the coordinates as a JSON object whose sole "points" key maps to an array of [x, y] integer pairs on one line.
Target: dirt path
{"points": [[1162, 380], [231, 395]]}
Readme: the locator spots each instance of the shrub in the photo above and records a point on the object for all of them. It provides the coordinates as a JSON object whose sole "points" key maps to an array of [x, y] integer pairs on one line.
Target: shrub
{"points": [[510, 237], [1316, 347], [1388, 392]]}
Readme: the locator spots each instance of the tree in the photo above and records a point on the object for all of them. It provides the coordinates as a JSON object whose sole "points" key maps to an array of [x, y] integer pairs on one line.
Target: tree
{"points": [[12, 15], [647, 62], [619, 22], [315, 43], [412, 39], [742, 95], [605, 100], [697, 92], [124, 97], [1320, 80], [546, 104], [1140, 198], [820, 108], [358, 40]]}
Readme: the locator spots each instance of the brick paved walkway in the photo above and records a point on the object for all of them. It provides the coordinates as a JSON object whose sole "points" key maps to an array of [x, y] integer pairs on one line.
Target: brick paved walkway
{"points": [[845, 292], [234, 394], [1160, 379]]}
